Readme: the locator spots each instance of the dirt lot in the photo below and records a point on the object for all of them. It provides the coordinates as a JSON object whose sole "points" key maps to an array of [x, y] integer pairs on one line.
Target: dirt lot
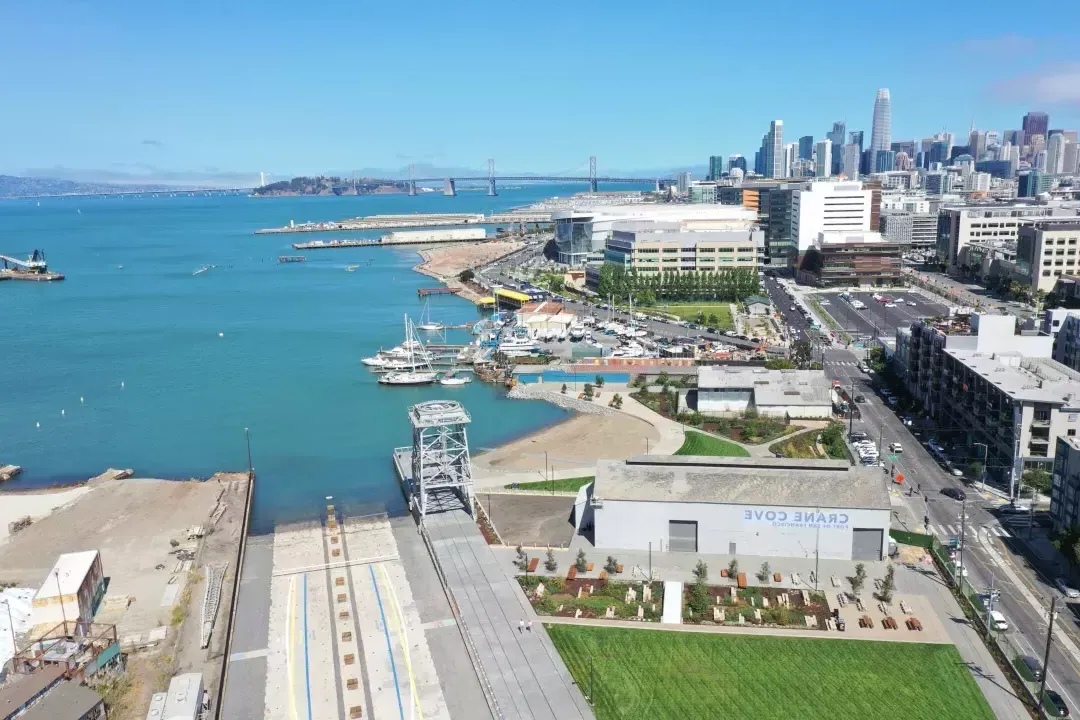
{"points": [[530, 519], [131, 523], [581, 440], [446, 263]]}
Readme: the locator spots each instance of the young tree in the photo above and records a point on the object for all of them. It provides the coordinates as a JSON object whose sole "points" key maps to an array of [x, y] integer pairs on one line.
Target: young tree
{"points": [[975, 469], [763, 573], [549, 564], [564, 388], [616, 401], [612, 565], [466, 275], [1038, 479], [858, 579], [713, 320], [701, 571], [888, 585], [581, 563], [599, 381], [587, 391], [522, 560], [733, 568]]}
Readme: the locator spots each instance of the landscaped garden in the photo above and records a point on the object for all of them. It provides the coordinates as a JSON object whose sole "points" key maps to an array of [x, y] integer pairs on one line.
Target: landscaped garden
{"points": [[831, 440], [643, 673], [726, 604], [750, 428], [696, 443], [564, 485], [593, 597]]}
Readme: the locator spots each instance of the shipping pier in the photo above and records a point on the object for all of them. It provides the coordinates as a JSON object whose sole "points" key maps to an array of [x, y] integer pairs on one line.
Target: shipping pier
{"points": [[417, 220]]}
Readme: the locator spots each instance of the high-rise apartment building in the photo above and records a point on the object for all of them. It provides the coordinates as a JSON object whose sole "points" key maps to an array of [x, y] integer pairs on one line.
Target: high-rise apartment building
{"points": [[806, 147], [1036, 123], [850, 161], [880, 133], [1016, 137], [716, 167], [791, 154], [1072, 156], [1046, 249], [883, 161], [1055, 154], [856, 138], [823, 162], [772, 151], [682, 182], [736, 161], [939, 152]]}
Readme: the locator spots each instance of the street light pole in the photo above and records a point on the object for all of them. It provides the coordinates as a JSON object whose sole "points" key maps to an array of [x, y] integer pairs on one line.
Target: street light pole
{"points": [[247, 439], [11, 626], [851, 411]]}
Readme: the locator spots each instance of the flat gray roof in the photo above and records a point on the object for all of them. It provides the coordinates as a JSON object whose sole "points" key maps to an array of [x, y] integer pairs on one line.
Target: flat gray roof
{"points": [[742, 481], [770, 387], [66, 700], [23, 687], [1023, 378]]}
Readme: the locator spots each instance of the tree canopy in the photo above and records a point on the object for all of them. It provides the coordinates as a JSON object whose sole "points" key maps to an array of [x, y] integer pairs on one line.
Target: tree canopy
{"points": [[648, 288]]}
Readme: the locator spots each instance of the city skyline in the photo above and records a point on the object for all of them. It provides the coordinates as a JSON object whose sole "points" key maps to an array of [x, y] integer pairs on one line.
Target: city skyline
{"points": [[127, 89]]}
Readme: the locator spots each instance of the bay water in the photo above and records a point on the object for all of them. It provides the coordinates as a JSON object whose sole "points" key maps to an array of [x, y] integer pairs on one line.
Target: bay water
{"points": [[134, 362]]}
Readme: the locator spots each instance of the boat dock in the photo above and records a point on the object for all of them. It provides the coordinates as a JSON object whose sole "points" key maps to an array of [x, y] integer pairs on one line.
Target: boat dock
{"points": [[395, 222], [424, 292]]}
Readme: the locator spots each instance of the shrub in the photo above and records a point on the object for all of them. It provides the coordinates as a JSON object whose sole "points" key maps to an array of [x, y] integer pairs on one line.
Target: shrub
{"points": [[612, 565], [549, 564], [581, 563], [616, 401], [697, 599], [733, 568], [856, 581], [763, 573], [599, 381], [522, 560], [701, 571], [588, 391], [466, 275]]}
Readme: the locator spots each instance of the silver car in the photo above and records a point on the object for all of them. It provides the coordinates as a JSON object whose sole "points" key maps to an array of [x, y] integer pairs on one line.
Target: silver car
{"points": [[1062, 584]]}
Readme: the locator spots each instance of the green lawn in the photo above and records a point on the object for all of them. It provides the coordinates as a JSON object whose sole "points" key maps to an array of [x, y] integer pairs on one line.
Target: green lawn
{"points": [[566, 484], [689, 311], [658, 674], [701, 444]]}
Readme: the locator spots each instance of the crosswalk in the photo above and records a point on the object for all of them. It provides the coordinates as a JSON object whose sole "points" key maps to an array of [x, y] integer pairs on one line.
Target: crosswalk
{"points": [[841, 363], [950, 531]]}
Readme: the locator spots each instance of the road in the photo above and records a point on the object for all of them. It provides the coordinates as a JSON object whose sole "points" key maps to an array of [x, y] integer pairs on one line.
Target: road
{"points": [[1024, 602]]}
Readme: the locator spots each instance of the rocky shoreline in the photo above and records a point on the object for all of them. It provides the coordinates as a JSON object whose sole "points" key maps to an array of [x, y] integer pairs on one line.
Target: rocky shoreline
{"points": [[567, 402]]}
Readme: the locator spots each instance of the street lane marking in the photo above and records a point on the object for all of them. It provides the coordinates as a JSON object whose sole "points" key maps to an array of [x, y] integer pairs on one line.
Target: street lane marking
{"points": [[249, 655]]}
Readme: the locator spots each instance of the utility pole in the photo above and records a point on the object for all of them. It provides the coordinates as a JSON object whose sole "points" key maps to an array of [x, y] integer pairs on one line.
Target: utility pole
{"points": [[963, 531], [880, 437], [851, 413], [1046, 654], [990, 603]]}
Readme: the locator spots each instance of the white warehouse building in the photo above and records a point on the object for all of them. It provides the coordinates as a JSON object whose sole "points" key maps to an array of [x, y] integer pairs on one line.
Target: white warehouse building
{"points": [[776, 393], [774, 507]]}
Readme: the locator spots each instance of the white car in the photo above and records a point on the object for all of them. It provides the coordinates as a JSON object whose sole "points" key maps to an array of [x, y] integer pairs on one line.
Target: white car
{"points": [[793, 308], [896, 448], [998, 621], [824, 302], [912, 303], [1063, 585], [890, 305]]}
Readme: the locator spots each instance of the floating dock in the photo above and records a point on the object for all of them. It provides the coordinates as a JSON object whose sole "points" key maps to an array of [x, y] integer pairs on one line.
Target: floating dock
{"points": [[392, 222], [424, 292]]}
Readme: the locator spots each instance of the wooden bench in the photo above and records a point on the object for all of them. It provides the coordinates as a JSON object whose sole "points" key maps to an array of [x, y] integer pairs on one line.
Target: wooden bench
{"points": [[723, 573], [777, 577], [572, 573], [914, 624], [533, 564], [603, 574], [905, 608], [588, 568], [618, 569], [741, 579]]}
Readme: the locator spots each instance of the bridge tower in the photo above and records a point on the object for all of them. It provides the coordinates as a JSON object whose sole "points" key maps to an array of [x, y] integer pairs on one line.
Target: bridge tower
{"points": [[491, 178], [449, 188], [441, 468], [412, 183], [592, 173], [262, 179]]}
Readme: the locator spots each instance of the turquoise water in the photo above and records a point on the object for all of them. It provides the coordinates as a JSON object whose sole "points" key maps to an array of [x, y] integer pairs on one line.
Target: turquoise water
{"points": [[133, 359]]}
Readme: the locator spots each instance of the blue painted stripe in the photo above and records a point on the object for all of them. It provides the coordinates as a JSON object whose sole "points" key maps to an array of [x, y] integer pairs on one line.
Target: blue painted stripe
{"points": [[307, 664], [389, 651]]}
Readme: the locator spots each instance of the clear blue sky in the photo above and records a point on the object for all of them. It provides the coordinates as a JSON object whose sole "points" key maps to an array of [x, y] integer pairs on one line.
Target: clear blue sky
{"points": [[236, 86]]}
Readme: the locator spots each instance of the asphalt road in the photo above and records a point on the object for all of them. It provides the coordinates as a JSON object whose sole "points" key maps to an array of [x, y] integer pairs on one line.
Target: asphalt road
{"points": [[983, 527]]}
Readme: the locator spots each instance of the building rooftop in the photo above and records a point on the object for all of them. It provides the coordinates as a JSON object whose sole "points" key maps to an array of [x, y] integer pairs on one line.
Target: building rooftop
{"points": [[742, 481], [71, 568], [771, 387], [1027, 379], [438, 412], [551, 308], [67, 701], [21, 689]]}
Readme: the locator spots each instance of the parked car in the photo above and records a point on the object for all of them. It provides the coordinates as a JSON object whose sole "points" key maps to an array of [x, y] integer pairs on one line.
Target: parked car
{"points": [[998, 621], [1029, 667], [824, 302], [896, 447], [859, 398], [1062, 584], [954, 493], [792, 308], [1054, 705], [857, 435], [864, 368], [1014, 509], [912, 303]]}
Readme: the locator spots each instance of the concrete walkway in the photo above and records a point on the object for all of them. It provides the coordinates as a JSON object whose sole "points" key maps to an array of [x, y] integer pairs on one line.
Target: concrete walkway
{"points": [[527, 677]]}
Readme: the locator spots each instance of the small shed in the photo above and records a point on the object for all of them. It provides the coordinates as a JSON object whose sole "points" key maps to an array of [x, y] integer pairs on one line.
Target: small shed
{"points": [[757, 305]]}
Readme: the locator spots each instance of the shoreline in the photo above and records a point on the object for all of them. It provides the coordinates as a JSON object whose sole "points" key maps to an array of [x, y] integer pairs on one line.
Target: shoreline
{"points": [[459, 257]]}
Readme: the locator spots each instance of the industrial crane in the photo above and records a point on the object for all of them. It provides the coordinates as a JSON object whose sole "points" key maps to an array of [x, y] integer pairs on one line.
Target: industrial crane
{"points": [[34, 264]]}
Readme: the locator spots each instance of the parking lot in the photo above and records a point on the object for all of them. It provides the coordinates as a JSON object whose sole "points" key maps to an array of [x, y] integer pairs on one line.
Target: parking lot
{"points": [[877, 320]]}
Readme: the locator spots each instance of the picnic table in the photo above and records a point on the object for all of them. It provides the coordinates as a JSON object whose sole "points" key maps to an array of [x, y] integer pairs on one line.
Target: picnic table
{"points": [[914, 624]]}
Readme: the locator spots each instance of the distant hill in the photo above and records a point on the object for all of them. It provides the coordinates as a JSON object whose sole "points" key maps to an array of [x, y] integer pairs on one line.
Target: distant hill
{"points": [[13, 186]]}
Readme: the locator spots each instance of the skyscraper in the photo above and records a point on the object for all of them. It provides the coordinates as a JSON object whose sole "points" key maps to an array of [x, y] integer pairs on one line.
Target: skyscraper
{"points": [[716, 167], [976, 143], [791, 154], [772, 150], [904, 146], [850, 162], [1055, 154], [823, 162], [837, 136], [806, 147], [1035, 123], [856, 138], [880, 135], [736, 161]]}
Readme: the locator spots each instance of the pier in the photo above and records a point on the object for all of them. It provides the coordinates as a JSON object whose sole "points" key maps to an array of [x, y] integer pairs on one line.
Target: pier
{"points": [[398, 222], [424, 292]]}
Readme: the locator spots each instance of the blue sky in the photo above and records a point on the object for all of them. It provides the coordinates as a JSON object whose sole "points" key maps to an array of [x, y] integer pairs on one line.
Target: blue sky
{"points": [[216, 88]]}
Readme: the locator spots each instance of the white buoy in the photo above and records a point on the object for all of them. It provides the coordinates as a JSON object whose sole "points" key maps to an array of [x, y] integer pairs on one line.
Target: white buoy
{"points": [[121, 383], [221, 334], [38, 424], [80, 398], [63, 412]]}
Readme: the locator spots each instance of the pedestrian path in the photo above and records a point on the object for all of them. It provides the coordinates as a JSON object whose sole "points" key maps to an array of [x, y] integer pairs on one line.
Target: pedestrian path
{"points": [[954, 530]]}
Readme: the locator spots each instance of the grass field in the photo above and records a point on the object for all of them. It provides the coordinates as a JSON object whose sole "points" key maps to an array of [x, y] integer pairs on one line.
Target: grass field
{"points": [[689, 311], [657, 674], [566, 484], [701, 444]]}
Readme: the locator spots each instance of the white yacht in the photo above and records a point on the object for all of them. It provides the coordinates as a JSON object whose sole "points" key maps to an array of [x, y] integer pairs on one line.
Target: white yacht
{"points": [[453, 378], [377, 361], [519, 340], [577, 332], [561, 337]]}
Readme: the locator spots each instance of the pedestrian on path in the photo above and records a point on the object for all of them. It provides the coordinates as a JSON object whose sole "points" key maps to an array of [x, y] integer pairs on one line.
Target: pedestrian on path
{"points": [[530, 626], [521, 626]]}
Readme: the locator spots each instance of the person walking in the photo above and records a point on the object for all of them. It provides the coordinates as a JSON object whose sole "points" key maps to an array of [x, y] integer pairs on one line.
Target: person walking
{"points": [[521, 626], [529, 626]]}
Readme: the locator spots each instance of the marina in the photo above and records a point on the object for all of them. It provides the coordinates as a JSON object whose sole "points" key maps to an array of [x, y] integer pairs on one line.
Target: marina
{"points": [[416, 220]]}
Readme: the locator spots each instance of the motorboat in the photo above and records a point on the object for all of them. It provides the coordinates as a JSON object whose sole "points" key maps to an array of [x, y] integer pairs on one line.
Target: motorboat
{"points": [[453, 378], [377, 361], [561, 337], [519, 340], [577, 332], [351, 268]]}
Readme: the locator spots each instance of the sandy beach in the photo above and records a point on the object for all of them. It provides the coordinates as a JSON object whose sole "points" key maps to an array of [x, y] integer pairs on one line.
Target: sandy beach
{"points": [[36, 504], [580, 440], [446, 263]]}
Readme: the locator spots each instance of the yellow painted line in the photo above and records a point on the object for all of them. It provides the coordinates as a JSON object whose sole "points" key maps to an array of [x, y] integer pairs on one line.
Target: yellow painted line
{"points": [[396, 607], [289, 645]]}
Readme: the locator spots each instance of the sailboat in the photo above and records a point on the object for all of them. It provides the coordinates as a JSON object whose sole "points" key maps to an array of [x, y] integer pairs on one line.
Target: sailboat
{"points": [[425, 320], [411, 376]]}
